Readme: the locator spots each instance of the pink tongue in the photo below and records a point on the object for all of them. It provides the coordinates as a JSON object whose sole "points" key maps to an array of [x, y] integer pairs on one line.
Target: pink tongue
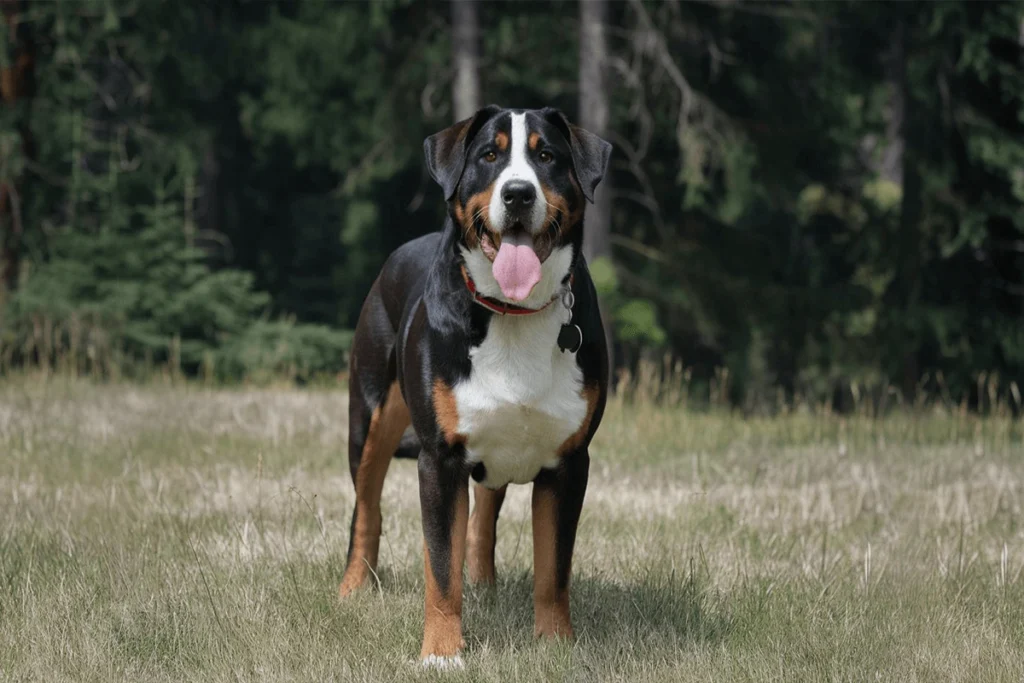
{"points": [[517, 270]]}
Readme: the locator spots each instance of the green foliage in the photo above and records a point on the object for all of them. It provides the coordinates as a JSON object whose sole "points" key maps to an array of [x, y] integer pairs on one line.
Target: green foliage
{"points": [[635, 319], [138, 285], [791, 258], [188, 157], [268, 350], [119, 274], [602, 272]]}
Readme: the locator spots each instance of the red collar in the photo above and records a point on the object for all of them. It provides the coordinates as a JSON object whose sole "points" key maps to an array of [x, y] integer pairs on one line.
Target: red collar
{"points": [[496, 305]]}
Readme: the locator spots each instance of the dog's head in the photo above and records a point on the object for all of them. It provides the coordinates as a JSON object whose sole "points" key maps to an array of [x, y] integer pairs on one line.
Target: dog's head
{"points": [[516, 182]]}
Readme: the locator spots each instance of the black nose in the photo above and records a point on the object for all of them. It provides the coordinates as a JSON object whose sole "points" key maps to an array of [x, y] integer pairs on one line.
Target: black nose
{"points": [[518, 194]]}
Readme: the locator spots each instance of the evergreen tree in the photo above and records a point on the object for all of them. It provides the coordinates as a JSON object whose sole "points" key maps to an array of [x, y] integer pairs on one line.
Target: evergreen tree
{"points": [[814, 196]]}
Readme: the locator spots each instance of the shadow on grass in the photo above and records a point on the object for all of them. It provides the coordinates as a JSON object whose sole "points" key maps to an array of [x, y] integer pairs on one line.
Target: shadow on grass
{"points": [[605, 612]]}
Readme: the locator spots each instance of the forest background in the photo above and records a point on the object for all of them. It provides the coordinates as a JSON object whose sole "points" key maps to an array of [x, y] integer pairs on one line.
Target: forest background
{"points": [[817, 202]]}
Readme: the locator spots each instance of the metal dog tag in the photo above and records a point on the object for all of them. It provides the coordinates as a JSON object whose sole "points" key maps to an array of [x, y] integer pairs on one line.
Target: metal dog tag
{"points": [[570, 338]]}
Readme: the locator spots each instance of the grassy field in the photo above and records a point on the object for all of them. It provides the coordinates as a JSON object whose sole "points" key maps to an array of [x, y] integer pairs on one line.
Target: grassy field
{"points": [[180, 533]]}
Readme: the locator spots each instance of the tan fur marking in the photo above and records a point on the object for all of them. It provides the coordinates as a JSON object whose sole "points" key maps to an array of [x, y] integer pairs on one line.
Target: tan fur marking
{"points": [[533, 140], [481, 534], [468, 232], [557, 208], [442, 630], [550, 606], [477, 207], [591, 393], [501, 140], [387, 423], [446, 413]]}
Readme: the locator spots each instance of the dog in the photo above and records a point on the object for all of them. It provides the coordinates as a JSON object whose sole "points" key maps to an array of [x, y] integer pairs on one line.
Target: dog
{"points": [[486, 338]]}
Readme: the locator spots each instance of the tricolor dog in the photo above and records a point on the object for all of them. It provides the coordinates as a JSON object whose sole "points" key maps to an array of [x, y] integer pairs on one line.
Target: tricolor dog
{"points": [[486, 338]]}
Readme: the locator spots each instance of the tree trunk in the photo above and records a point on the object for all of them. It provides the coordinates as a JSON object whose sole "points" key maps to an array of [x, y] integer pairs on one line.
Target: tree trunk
{"points": [[15, 84], [895, 114], [594, 117], [901, 156], [465, 36]]}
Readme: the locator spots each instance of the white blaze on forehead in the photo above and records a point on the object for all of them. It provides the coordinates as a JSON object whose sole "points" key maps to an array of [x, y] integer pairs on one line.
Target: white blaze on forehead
{"points": [[518, 168]]}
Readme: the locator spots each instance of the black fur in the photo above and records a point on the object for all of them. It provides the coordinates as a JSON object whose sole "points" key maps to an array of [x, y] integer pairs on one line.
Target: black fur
{"points": [[419, 321]]}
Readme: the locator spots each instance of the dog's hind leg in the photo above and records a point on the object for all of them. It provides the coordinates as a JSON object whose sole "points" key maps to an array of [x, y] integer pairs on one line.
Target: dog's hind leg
{"points": [[369, 462], [378, 416], [482, 533]]}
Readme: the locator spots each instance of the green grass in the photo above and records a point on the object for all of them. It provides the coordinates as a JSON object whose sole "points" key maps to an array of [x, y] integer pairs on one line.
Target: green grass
{"points": [[180, 533]]}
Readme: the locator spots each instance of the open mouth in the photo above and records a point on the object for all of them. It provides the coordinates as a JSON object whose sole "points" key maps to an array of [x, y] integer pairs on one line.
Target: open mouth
{"points": [[515, 259], [516, 266], [516, 256], [490, 241]]}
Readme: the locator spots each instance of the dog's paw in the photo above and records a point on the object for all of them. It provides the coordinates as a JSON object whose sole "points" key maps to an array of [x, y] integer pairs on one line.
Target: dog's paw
{"points": [[347, 588], [442, 663], [354, 580]]}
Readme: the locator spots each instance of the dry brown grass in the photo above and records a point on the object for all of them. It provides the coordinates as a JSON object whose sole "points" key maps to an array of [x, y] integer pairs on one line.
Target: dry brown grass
{"points": [[182, 533]]}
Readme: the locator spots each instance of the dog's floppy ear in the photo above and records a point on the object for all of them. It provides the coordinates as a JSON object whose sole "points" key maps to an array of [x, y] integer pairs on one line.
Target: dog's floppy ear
{"points": [[590, 153], [446, 151]]}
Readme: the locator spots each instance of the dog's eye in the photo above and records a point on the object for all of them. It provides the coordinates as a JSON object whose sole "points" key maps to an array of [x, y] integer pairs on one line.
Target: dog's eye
{"points": [[490, 157], [546, 157]]}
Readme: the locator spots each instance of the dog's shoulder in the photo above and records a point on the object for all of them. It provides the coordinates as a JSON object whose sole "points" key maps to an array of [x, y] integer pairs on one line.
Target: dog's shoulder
{"points": [[411, 261], [403, 276]]}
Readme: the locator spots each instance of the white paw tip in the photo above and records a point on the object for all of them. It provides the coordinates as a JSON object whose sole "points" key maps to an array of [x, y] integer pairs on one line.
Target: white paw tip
{"points": [[442, 663]]}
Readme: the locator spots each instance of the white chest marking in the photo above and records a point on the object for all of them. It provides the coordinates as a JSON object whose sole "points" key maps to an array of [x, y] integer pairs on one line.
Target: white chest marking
{"points": [[522, 400]]}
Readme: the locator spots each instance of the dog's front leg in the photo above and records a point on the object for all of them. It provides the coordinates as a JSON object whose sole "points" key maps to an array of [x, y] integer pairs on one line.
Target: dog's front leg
{"points": [[557, 501], [444, 499]]}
